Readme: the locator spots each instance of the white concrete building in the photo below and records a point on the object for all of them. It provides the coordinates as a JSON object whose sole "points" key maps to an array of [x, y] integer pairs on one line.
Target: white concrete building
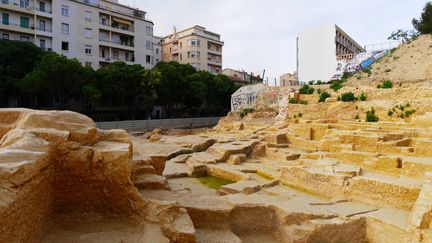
{"points": [[96, 32], [321, 52]]}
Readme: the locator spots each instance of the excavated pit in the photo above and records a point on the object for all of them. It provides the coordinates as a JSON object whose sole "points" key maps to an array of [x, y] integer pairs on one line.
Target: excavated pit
{"points": [[64, 180]]}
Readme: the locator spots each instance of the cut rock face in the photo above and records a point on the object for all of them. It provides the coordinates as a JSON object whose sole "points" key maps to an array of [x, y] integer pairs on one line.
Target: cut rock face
{"points": [[58, 167]]}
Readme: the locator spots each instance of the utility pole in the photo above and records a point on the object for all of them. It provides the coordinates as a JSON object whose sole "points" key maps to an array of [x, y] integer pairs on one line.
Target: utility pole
{"points": [[275, 82]]}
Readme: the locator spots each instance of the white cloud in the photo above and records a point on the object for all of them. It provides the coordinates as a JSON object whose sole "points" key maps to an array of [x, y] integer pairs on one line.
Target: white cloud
{"points": [[262, 34]]}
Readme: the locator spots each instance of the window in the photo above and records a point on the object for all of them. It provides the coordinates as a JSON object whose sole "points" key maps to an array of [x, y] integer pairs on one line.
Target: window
{"points": [[25, 22], [88, 64], [194, 54], [194, 42], [157, 50], [25, 38], [65, 46], [65, 10], [42, 25], [65, 28], [217, 48], [208, 46], [5, 1], [104, 21], [5, 18], [88, 16], [88, 49], [148, 59], [115, 55], [127, 56], [149, 30], [42, 6], [24, 3], [42, 44], [5, 36], [149, 45], [88, 32], [217, 59], [181, 57]]}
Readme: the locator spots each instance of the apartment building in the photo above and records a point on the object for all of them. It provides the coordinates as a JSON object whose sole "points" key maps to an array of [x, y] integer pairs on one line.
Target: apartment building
{"points": [[241, 77], [322, 53], [195, 46], [96, 32]]}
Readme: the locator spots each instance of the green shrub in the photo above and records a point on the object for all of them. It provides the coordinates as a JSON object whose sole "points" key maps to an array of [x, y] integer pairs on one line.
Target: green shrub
{"points": [[363, 96], [347, 97], [371, 117], [306, 89], [311, 82], [386, 84], [245, 112], [368, 71], [345, 77], [293, 101], [336, 85], [323, 96], [319, 82], [390, 113], [319, 91]]}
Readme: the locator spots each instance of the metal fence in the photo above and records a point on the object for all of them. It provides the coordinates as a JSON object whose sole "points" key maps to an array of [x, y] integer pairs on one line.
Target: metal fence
{"points": [[163, 123]]}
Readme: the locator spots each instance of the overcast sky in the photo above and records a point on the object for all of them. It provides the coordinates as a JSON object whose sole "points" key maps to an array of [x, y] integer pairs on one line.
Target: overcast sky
{"points": [[261, 34]]}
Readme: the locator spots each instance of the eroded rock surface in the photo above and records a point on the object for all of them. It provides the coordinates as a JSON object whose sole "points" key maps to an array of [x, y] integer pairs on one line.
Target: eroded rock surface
{"points": [[59, 175]]}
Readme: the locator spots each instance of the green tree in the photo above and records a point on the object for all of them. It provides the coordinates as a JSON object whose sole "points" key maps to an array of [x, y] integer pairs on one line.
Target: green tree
{"points": [[16, 60], [128, 86], [58, 78], [424, 23], [403, 35], [173, 86]]}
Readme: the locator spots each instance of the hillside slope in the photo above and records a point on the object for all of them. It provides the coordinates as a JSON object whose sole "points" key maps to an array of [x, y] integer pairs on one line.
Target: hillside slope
{"points": [[409, 62]]}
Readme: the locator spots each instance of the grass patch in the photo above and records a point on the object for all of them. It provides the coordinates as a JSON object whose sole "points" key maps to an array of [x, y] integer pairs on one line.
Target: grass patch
{"points": [[214, 182]]}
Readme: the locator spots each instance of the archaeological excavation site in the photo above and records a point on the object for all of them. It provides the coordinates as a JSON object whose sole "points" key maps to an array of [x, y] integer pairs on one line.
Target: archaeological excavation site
{"points": [[291, 168]]}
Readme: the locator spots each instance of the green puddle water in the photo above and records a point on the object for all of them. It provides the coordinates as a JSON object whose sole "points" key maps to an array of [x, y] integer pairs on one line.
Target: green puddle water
{"points": [[214, 182]]}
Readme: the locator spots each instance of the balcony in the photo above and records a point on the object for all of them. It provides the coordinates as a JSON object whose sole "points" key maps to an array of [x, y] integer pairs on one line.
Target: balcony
{"points": [[118, 9], [17, 6], [18, 27], [44, 12], [214, 52], [116, 59], [40, 30], [117, 44], [215, 63], [116, 28]]}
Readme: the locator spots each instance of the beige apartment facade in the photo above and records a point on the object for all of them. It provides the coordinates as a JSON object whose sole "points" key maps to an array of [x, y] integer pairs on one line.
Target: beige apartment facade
{"points": [[195, 46], [96, 32]]}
